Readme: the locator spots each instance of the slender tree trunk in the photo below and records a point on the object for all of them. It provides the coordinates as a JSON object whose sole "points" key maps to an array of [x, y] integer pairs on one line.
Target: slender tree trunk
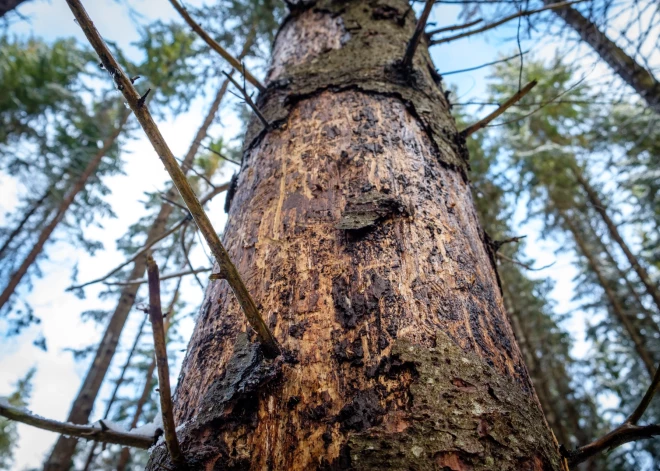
{"points": [[62, 454], [615, 305], [601, 209], [649, 321], [26, 217], [8, 5], [118, 383], [640, 79], [353, 226], [46, 232]]}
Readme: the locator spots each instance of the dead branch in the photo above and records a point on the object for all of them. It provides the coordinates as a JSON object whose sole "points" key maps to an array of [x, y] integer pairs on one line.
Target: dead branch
{"points": [[523, 265], [247, 99], [627, 432], [99, 433], [223, 156], [470, 69], [453, 27], [506, 105], [184, 249], [502, 21], [215, 46], [160, 347], [227, 268], [137, 255], [169, 276], [406, 62]]}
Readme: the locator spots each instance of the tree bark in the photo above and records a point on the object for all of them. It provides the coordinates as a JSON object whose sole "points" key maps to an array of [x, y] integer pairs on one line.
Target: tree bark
{"points": [[46, 232], [8, 5], [620, 314], [353, 227], [640, 79], [601, 209], [62, 455]]}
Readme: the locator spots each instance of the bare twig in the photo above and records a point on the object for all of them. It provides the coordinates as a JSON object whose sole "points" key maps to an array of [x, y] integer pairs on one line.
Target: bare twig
{"points": [[184, 249], [198, 173], [506, 105], [214, 45], [88, 432], [453, 27], [160, 347], [137, 255], [502, 21], [520, 264], [169, 276], [172, 202], [460, 71], [219, 154], [227, 268], [247, 99], [627, 432], [406, 62]]}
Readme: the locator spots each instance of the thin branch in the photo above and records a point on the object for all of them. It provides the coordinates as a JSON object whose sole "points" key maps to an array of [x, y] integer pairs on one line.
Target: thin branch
{"points": [[453, 27], [184, 249], [160, 347], [172, 202], [214, 192], [247, 99], [506, 105], [266, 338], [627, 432], [196, 172], [137, 255], [219, 154], [406, 62], [214, 45], [502, 21], [88, 432], [482, 66], [523, 265], [169, 276]]}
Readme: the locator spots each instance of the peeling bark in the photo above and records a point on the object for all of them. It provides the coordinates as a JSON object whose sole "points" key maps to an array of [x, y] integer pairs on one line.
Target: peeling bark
{"points": [[353, 227]]}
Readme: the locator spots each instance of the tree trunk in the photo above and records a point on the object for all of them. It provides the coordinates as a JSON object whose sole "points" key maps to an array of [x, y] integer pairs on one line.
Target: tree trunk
{"points": [[617, 309], [46, 232], [8, 5], [62, 455], [640, 79], [601, 209], [353, 227]]}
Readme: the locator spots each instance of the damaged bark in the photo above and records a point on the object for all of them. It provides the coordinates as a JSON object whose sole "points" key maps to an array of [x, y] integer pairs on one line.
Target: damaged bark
{"points": [[353, 227]]}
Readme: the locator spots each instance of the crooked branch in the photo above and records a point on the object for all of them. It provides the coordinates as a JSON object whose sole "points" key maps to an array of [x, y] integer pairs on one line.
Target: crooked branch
{"points": [[453, 27], [160, 347], [523, 265], [406, 62], [248, 99], [627, 432], [502, 21], [506, 105], [235, 63], [169, 276], [227, 268], [88, 432]]}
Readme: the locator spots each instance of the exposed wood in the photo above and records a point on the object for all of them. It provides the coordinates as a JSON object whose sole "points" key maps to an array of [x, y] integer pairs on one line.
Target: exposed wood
{"points": [[362, 246]]}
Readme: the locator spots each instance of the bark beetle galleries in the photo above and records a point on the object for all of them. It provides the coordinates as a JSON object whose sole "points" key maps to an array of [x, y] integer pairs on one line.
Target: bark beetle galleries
{"points": [[354, 229]]}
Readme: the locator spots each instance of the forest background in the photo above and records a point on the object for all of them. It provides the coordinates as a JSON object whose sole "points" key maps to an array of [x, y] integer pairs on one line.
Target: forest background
{"points": [[571, 298]]}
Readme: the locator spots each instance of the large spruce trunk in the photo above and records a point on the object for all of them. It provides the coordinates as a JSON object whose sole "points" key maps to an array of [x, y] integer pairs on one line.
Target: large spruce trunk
{"points": [[353, 227]]}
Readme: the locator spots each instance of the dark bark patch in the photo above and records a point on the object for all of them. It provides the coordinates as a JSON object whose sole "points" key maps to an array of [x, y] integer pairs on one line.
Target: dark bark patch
{"points": [[367, 209], [362, 413]]}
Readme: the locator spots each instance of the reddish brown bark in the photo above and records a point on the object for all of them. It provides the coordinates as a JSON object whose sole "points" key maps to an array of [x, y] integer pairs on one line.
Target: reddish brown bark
{"points": [[353, 226]]}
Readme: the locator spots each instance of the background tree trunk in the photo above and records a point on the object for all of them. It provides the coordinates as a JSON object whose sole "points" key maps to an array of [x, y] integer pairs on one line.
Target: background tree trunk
{"points": [[62, 455], [640, 79], [353, 226]]}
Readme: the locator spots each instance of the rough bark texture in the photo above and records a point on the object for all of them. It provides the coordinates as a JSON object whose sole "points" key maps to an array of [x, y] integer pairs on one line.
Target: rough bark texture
{"points": [[640, 79], [353, 226], [62, 454], [8, 5]]}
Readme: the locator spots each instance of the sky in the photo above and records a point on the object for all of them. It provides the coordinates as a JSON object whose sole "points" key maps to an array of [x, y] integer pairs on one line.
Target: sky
{"points": [[58, 376]]}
